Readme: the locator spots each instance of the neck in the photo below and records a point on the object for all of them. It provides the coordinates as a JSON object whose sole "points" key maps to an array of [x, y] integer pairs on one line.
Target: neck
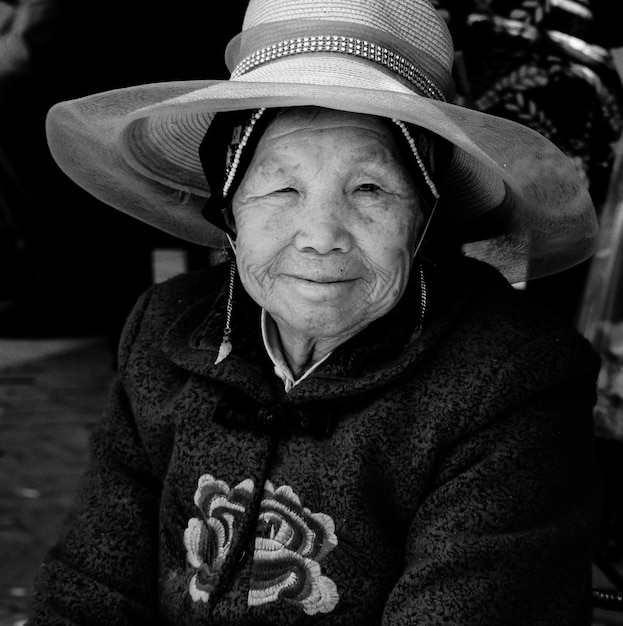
{"points": [[301, 353]]}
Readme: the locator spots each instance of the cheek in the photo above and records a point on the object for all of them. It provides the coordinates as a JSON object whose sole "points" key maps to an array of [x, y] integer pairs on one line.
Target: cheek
{"points": [[389, 250], [393, 237], [260, 224], [256, 239], [250, 263], [411, 223], [258, 246], [409, 228]]}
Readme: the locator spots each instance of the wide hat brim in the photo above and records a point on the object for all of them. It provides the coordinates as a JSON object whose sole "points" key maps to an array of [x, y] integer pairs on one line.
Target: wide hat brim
{"points": [[137, 149]]}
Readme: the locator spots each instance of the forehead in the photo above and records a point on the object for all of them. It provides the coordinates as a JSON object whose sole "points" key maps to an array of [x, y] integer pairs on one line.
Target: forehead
{"points": [[306, 123]]}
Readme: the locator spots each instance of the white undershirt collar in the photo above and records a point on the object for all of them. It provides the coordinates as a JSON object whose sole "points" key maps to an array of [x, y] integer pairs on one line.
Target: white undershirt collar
{"points": [[272, 343]]}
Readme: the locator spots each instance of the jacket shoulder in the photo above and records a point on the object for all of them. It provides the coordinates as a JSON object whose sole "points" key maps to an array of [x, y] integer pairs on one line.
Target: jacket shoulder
{"points": [[163, 303], [500, 306], [505, 329]]}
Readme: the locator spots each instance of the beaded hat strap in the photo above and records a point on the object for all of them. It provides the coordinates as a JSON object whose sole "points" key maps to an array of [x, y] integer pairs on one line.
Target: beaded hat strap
{"points": [[235, 150]]}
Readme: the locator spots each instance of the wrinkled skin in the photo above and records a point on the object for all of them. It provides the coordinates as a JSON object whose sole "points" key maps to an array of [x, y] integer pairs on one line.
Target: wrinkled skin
{"points": [[327, 218]]}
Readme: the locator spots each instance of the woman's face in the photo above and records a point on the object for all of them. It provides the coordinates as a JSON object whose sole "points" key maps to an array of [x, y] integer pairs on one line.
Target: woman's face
{"points": [[327, 218]]}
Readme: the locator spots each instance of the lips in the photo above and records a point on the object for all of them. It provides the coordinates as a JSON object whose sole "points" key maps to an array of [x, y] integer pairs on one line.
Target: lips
{"points": [[319, 269], [323, 279]]}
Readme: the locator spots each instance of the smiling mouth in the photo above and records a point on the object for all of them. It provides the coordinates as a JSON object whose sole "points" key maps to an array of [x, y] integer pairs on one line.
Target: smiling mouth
{"points": [[324, 281]]}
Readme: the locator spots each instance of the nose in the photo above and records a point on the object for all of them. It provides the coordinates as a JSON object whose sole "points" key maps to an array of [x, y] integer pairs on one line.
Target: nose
{"points": [[323, 225]]}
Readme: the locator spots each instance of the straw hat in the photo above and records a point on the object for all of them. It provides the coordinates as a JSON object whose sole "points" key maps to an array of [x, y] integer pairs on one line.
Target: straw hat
{"points": [[137, 148]]}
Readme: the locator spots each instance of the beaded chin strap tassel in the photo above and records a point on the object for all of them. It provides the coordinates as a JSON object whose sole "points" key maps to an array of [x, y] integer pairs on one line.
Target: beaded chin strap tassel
{"points": [[433, 189], [225, 347], [423, 296], [230, 173]]}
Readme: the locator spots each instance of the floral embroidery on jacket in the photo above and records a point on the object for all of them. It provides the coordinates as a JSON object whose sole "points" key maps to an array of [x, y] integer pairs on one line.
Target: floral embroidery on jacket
{"points": [[209, 538], [291, 542]]}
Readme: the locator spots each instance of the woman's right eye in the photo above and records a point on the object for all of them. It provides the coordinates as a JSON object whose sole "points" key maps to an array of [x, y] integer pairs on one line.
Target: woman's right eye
{"points": [[286, 190]]}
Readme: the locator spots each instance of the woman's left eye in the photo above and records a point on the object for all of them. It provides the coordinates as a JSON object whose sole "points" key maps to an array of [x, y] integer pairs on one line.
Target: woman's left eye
{"points": [[369, 187]]}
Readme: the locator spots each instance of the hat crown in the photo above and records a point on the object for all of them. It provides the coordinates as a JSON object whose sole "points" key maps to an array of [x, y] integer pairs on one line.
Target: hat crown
{"points": [[412, 30], [416, 22]]}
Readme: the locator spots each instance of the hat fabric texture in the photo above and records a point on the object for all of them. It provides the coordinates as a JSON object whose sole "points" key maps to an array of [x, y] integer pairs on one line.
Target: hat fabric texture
{"points": [[510, 194]]}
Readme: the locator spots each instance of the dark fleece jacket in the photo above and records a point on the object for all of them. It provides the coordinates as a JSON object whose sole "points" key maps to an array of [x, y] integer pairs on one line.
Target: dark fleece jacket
{"points": [[435, 477]]}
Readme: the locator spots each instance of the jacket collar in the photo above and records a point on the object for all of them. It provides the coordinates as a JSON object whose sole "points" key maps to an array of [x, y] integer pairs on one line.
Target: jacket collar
{"points": [[383, 351]]}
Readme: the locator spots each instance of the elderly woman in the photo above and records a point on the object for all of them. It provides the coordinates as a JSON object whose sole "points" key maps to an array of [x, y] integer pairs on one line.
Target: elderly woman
{"points": [[355, 419]]}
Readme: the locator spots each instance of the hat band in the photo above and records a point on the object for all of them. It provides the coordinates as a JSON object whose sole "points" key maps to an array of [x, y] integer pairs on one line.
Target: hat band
{"points": [[351, 46]]}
